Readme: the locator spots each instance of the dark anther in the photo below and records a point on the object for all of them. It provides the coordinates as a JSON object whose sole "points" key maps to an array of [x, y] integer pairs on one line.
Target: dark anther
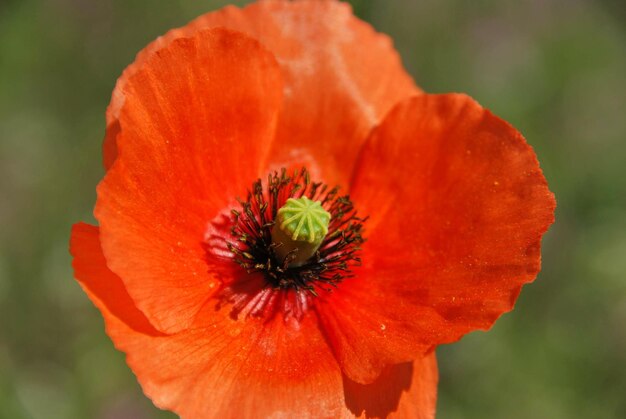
{"points": [[252, 245]]}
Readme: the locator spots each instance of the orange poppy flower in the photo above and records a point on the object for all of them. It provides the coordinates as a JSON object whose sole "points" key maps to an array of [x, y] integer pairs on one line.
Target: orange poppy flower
{"points": [[219, 317]]}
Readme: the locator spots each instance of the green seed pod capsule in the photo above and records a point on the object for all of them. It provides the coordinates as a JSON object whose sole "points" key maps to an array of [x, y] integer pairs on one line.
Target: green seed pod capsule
{"points": [[300, 227]]}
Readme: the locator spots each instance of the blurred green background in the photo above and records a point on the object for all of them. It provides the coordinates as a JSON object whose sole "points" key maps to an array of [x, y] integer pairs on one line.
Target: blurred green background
{"points": [[556, 69]]}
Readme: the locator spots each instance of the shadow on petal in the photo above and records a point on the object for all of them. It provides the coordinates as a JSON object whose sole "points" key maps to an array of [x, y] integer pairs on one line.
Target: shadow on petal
{"points": [[382, 397]]}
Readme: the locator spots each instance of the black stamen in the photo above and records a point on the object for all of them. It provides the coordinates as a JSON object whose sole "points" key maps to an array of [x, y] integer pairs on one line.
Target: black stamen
{"points": [[252, 247]]}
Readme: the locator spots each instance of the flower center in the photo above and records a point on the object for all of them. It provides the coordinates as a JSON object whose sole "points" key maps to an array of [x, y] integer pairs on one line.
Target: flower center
{"points": [[299, 229], [301, 235]]}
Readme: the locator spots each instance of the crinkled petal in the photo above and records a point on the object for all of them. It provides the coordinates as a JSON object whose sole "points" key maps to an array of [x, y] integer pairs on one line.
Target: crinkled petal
{"points": [[243, 368], [197, 120], [340, 78], [458, 206]]}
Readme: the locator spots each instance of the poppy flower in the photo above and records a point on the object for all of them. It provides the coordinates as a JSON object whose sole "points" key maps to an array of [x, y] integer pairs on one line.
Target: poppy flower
{"points": [[300, 299]]}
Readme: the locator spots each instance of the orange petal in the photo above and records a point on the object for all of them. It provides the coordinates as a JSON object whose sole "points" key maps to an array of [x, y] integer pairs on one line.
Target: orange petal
{"points": [[222, 367], [458, 206], [104, 288], [197, 119], [370, 330], [341, 78], [406, 391], [237, 368]]}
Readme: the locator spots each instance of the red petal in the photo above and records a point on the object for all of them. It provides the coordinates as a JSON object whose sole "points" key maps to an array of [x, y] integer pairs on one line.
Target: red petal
{"points": [[370, 329], [340, 76], [105, 289], [402, 391], [458, 206], [220, 367], [237, 368], [223, 367], [196, 123]]}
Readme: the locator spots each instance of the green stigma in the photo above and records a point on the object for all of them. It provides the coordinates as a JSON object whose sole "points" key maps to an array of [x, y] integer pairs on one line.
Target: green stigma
{"points": [[301, 225], [303, 219]]}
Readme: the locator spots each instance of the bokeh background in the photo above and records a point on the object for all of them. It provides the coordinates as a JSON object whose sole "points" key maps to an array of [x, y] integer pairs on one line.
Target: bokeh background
{"points": [[556, 69]]}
